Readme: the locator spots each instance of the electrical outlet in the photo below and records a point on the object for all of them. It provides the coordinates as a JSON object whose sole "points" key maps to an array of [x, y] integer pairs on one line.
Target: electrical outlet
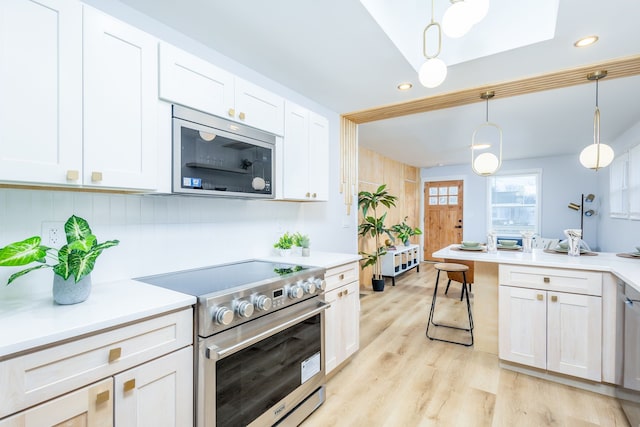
{"points": [[53, 234]]}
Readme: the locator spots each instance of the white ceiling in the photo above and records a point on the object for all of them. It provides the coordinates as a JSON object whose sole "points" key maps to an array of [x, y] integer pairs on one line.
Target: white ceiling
{"points": [[334, 52]]}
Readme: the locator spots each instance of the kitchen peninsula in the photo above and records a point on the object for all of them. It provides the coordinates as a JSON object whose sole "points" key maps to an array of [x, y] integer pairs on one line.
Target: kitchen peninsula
{"points": [[510, 309]]}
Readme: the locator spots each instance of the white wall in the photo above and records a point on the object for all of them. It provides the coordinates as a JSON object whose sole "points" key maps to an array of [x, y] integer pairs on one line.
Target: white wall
{"points": [[619, 235], [165, 233], [563, 181]]}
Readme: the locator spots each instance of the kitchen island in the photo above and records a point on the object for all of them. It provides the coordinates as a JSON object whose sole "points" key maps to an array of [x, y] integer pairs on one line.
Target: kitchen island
{"points": [[521, 283]]}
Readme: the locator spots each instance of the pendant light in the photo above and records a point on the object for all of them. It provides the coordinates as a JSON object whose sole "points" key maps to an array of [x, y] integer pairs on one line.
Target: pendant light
{"points": [[457, 19], [596, 155], [486, 163], [433, 72]]}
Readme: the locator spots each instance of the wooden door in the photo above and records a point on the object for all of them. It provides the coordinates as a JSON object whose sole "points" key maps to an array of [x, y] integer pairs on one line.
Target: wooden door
{"points": [[443, 207]]}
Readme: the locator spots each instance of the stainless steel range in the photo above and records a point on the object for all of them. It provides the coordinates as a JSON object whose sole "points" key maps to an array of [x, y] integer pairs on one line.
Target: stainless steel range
{"points": [[260, 337]]}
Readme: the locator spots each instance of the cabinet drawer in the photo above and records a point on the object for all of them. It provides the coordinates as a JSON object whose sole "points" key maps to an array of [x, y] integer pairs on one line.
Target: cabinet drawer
{"points": [[552, 279], [46, 373], [341, 275]]}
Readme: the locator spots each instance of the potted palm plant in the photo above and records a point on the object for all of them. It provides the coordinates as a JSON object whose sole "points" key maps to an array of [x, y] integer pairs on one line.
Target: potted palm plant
{"points": [[71, 264], [404, 231], [373, 226]]}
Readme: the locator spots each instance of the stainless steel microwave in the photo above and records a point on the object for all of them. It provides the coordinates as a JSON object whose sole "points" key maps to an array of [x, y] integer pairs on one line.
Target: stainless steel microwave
{"points": [[214, 156]]}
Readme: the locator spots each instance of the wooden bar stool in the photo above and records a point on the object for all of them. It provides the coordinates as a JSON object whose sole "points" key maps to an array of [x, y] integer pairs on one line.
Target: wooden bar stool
{"points": [[451, 267]]}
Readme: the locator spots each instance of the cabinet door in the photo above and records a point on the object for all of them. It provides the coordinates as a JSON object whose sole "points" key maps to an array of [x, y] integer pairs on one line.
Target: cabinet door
{"points": [[193, 82], [331, 330], [574, 335], [318, 157], [41, 91], [157, 393], [258, 107], [522, 326], [120, 104], [88, 406], [350, 308], [296, 152]]}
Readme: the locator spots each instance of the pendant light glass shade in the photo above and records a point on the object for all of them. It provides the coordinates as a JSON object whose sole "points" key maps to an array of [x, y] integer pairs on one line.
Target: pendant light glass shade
{"points": [[596, 155], [432, 73], [486, 163], [478, 9], [457, 19]]}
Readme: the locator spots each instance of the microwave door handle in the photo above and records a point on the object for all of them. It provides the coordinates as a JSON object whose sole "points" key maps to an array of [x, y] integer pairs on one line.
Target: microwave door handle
{"points": [[216, 353]]}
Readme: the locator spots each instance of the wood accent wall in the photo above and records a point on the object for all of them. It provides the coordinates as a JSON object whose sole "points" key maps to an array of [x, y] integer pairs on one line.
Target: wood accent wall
{"points": [[403, 181]]}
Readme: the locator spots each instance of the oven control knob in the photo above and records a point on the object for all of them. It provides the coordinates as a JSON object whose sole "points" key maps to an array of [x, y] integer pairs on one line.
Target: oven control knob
{"points": [[223, 315], [295, 292], [309, 287], [263, 302], [320, 284], [244, 308]]}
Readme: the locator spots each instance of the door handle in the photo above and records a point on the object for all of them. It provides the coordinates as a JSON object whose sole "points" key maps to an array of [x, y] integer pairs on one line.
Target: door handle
{"points": [[457, 226]]}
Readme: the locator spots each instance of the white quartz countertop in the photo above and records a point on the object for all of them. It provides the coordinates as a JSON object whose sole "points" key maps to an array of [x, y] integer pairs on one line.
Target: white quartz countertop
{"points": [[317, 259], [34, 321], [626, 269]]}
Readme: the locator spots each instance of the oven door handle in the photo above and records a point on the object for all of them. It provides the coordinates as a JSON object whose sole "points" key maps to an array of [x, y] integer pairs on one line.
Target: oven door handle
{"points": [[216, 353]]}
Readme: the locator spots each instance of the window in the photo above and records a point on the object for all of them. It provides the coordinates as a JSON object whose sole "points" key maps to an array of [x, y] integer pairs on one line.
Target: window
{"points": [[514, 203]]}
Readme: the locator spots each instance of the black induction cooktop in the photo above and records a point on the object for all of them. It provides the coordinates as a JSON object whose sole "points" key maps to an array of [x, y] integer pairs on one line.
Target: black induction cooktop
{"points": [[219, 278]]}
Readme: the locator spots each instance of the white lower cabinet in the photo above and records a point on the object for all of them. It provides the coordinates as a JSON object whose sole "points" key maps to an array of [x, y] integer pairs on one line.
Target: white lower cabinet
{"points": [[158, 393], [549, 329], [342, 319], [90, 406], [137, 375]]}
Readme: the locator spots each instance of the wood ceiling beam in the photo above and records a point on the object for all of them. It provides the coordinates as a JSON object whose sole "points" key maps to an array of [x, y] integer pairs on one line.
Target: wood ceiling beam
{"points": [[622, 67]]}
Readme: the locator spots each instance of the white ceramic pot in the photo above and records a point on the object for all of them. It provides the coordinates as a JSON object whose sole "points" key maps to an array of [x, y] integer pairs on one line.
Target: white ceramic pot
{"points": [[69, 292]]}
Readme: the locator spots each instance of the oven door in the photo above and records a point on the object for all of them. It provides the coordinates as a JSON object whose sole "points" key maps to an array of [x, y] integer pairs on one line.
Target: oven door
{"points": [[256, 373]]}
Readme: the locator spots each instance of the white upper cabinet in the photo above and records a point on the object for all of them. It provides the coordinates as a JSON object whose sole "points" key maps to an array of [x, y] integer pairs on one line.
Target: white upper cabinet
{"points": [[193, 82], [305, 159], [41, 91], [120, 101]]}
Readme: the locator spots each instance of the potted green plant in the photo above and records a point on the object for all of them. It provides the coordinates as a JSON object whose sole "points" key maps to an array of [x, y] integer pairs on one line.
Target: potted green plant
{"points": [[373, 226], [284, 244], [404, 231], [302, 241], [71, 264]]}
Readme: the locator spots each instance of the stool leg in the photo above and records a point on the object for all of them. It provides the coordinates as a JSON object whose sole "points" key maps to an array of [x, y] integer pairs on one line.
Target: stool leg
{"points": [[433, 304], [448, 284], [431, 313]]}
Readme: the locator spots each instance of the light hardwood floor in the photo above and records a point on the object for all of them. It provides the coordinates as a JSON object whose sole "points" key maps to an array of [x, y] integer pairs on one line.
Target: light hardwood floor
{"points": [[401, 378]]}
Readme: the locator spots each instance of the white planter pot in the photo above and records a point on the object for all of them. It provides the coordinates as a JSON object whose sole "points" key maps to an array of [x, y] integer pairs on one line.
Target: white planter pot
{"points": [[69, 292]]}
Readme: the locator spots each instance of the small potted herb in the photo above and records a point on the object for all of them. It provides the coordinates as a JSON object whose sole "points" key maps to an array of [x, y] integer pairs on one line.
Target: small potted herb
{"points": [[302, 241], [71, 264], [284, 244]]}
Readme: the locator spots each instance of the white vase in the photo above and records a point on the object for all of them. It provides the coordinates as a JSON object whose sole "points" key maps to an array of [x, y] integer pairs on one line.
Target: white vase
{"points": [[68, 291], [285, 252], [306, 251]]}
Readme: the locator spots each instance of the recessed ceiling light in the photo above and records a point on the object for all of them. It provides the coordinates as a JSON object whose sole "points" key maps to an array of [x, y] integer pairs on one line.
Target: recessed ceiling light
{"points": [[405, 86], [586, 41]]}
